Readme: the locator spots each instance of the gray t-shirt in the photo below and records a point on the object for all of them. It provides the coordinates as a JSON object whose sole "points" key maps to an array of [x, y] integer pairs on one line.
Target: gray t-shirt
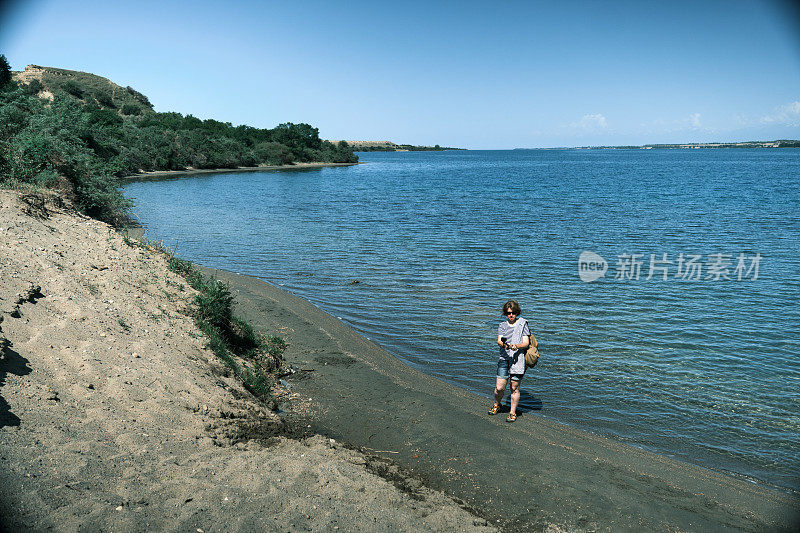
{"points": [[513, 334]]}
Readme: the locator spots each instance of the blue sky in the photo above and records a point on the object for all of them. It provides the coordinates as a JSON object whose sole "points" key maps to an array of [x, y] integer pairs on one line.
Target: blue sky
{"points": [[499, 74]]}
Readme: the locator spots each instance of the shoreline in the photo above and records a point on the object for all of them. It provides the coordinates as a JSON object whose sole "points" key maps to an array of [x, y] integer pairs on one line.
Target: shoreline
{"points": [[142, 176], [367, 397], [115, 414]]}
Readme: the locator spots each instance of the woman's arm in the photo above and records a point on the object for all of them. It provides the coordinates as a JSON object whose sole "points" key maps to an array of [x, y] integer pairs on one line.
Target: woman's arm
{"points": [[526, 341]]}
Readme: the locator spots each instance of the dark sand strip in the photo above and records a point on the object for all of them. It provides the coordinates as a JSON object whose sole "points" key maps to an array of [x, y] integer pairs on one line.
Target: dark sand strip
{"points": [[526, 475]]}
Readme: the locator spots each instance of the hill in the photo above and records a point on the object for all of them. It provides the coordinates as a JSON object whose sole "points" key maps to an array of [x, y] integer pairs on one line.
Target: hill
{"points": [[45, 82], [80, 133]]}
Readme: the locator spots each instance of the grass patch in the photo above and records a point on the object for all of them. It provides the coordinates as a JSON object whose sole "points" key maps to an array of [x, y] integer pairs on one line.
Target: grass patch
{"points": [[230, 337], [251, 358]]}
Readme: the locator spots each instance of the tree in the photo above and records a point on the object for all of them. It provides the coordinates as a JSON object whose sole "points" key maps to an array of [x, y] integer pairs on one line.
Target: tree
{"points": [[5, 72], [297, 135]]}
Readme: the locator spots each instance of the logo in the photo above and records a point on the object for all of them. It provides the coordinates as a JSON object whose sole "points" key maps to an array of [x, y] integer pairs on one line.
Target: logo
{"points": [[591, 266]]}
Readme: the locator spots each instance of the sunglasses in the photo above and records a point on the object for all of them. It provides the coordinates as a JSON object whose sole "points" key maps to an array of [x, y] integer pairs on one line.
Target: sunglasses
{"points": [[509, 313]]}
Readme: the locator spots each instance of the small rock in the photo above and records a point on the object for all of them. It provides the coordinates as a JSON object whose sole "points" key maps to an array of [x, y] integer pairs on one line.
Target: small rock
{"points": [[119, 507], [90, 386]]}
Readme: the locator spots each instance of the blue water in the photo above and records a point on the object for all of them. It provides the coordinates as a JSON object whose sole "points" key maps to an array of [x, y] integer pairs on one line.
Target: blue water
{"points": [[704, 370]]}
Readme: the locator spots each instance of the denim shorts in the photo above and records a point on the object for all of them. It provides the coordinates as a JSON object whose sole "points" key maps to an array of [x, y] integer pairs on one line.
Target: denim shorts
{"points": [[503, 370]]}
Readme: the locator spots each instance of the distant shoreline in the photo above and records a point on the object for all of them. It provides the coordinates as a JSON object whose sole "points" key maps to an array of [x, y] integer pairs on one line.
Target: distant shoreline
{"points": [[782, 143], [192, 171]]}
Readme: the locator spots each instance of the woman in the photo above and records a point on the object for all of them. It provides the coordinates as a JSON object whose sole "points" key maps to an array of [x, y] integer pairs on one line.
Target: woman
{"points": [[513, 337]]}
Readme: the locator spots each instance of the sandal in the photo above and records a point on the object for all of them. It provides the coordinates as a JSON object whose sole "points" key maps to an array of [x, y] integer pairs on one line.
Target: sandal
{"points": [[494, 409], [511, 417]]}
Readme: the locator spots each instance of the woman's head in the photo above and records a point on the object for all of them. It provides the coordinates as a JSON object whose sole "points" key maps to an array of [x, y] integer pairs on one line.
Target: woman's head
{"points": [[511, 307]]}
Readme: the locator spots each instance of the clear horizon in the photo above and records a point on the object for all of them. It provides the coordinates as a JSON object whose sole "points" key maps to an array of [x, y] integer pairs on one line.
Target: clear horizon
{"points": [[513, 75]]}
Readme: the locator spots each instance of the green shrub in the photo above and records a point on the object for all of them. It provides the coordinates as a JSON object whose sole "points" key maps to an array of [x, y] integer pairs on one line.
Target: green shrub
{"points": [[73, 88], [214, 304], [104, 117], [228, 335], [104, 98], [34, 87], [257, 382], [274, 345], [139, 96], [130, 109]]}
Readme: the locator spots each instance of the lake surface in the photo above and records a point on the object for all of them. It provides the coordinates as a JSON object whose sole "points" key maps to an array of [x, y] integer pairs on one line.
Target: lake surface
{"points": [[419, 250]]}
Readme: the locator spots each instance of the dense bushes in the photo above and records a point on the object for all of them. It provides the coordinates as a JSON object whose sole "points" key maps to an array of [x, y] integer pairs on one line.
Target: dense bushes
{"points": [[73, 88], [130, 109], [48, 146], [104, 98], [34, 87], [81, 142]]}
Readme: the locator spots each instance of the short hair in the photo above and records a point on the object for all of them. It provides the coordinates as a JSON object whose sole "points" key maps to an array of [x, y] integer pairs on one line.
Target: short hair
{"points": [[513, 305]]}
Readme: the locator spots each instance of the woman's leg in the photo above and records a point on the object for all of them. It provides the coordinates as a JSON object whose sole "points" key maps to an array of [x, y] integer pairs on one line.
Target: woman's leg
{"points": [[514, 396], [499, 390]]}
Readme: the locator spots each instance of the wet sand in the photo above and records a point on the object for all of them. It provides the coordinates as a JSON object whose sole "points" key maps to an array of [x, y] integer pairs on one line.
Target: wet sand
{"points": [[520, 476]]}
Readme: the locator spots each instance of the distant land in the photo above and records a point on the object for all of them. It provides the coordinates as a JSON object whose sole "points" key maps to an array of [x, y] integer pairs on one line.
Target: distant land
{"points": [[389, 146], [782, 143]]}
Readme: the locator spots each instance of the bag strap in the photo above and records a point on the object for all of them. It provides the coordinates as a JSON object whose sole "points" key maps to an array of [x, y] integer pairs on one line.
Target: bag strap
{"points": [[522, 323]]}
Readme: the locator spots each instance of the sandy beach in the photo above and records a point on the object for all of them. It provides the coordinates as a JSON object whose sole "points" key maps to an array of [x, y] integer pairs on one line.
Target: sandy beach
{"points": [[115, 416], [560, 475]]}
